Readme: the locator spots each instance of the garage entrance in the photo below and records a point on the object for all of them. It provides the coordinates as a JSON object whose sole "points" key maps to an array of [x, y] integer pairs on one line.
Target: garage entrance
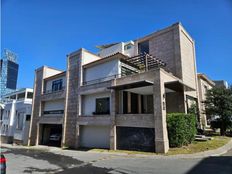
{"points": [[51, 134], [138, 139], [95, 137]]}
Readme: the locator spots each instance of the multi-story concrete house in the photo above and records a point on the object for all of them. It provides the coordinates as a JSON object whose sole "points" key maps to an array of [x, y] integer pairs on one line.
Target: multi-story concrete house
{"points": [[16, 115], [204, 84], [119, 97]]}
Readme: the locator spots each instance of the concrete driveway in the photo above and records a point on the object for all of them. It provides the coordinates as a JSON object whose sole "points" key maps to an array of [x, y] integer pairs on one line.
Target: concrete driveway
{"points": [[54, 160]]}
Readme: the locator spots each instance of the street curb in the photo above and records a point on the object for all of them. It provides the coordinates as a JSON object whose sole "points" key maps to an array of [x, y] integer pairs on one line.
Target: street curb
{"points": [[209, 153]]}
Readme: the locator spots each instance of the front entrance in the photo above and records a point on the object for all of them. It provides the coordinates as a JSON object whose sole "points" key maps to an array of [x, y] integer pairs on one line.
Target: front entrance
{"points": [[51, 134]]}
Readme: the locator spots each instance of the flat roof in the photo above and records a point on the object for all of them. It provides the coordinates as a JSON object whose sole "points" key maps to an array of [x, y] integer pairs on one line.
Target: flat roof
{"points": [[117, 55], [56, 75], [132, 85]]}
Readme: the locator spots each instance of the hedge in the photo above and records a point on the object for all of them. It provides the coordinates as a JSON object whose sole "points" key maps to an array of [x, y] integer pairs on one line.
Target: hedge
{"points": [[181, 129]]}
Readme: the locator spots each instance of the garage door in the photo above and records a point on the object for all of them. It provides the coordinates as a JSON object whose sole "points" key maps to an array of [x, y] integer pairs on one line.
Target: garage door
{"points": [[132, 138], [95, 136]]}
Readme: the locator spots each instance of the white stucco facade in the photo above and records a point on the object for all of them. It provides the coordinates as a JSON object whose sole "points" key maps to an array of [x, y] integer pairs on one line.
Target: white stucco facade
{"points": [[89, 102], [16, 116], [126, 48], [54, 105], [106, 69]]}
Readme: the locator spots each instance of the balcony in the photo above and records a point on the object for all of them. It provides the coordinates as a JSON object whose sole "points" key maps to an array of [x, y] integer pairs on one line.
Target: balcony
{"points": [[129, 66], [53, 95]]}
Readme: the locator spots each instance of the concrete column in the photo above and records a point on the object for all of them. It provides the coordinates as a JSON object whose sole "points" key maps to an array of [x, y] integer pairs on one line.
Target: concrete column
{"points": [[128, 102], [113, 111], [161, 136]]}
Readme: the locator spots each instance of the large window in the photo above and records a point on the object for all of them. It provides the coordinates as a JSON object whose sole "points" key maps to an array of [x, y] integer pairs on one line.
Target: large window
{"points": [[30, 95], [57, 85], [143, 47], [21, 95], [19, 123], [102, 106], [126, 71]]}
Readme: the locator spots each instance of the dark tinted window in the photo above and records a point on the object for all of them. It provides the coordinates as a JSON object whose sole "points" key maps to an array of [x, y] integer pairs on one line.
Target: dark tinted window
{"points": [[103, 105], [143, 47], [12, 74], [21, 95], [30, 95], [28, 117], [13, 97], [57, 85]]}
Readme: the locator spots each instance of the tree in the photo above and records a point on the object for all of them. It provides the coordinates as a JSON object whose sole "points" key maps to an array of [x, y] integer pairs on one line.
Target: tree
{"points": [[219, 103]]}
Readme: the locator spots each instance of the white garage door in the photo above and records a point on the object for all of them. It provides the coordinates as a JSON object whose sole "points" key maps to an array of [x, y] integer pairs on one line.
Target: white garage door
{"points": [[95, 136]]}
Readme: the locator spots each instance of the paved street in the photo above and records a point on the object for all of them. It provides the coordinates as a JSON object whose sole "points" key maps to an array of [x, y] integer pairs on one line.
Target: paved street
{"points": [[54, 160]]}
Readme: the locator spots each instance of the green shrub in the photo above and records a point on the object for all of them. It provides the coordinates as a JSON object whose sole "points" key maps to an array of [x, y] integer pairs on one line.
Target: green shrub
{"points": [[181, 129]]}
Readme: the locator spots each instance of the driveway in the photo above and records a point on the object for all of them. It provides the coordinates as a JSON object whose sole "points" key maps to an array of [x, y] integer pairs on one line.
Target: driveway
{"points": [[54, 160]]}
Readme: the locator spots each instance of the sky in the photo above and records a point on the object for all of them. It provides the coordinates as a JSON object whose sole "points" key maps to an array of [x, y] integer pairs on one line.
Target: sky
{"points": [[43, 32]]}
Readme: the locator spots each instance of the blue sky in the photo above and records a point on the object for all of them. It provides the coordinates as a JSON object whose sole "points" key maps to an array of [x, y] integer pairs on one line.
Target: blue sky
{"points": [[43, 32]]}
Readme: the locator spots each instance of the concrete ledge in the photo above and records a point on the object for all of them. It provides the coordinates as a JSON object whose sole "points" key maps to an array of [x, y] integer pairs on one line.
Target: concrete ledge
{"points": [[135, 120], [51, 120], [97, 120], [54, 95]]}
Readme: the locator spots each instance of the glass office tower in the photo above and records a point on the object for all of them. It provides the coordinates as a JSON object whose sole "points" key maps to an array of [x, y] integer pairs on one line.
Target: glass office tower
{"points": [[8, 72]]}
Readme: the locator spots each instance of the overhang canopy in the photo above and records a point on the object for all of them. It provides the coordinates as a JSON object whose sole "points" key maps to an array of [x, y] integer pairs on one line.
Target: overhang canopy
{"points": [[132, 85], [178, 86]]}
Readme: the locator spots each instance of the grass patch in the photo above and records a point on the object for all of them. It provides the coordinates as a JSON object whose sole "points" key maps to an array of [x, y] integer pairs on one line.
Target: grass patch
{"points": [[198, 146], [123, 151], [195, 147]]}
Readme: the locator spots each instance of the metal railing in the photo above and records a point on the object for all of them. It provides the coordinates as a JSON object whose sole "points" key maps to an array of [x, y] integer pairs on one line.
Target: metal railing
{"points": [[53, 91], [104, 79]]}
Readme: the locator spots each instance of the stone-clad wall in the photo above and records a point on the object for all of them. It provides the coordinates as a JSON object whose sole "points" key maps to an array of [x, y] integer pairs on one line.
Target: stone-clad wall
{"points": [[163, 46], [38, 86], [174, 46], [70, 132]]}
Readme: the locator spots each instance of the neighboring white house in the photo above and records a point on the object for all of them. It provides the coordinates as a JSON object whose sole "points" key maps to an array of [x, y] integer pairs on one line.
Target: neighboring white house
{"points": [[15, 120]]}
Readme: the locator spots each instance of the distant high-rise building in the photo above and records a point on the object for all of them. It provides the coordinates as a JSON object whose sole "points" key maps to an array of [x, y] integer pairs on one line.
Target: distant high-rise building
{"points": [[8, 72], [221, 83]]}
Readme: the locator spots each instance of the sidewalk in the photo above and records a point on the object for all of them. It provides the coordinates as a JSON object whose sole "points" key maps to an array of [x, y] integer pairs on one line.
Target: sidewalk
{"points": [[73, 153]]}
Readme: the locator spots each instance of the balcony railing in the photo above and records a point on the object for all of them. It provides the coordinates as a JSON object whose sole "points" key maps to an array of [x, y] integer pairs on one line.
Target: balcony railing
{"points": [[108, 78], [53, 91]]}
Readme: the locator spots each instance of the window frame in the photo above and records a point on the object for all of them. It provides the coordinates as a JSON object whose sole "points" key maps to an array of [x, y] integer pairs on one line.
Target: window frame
{"points": [[57, 85], [105, 110]]}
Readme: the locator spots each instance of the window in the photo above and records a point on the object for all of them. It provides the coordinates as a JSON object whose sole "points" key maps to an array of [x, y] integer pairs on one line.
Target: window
{"points": [[143, 47], [28, 117], [54, 112], [19, 123], [127, 71], [13, 97], [127, 47], [102, 106], [205, 88], [29, 95], [57, 85], [8, 116], [21, 95]]}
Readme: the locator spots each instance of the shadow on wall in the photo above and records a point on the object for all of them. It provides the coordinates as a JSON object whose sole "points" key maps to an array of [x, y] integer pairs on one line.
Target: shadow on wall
{"points": [[213, 165]]}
